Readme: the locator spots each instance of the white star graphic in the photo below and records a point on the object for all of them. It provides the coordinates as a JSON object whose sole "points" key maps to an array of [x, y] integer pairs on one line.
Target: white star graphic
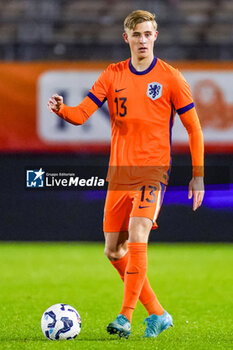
{"points": [[39, 174]]}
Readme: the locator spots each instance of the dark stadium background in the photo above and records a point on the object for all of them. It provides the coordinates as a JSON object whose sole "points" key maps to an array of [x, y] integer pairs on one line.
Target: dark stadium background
{"points": [[73, 31]]}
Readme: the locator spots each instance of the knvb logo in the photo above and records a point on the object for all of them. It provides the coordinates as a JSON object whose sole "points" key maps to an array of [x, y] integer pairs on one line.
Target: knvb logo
{"points": [[154, 91], [35, 178]]}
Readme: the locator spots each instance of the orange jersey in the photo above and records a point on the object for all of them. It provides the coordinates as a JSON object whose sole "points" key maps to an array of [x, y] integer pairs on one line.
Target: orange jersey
{"points": [[142, 106]]}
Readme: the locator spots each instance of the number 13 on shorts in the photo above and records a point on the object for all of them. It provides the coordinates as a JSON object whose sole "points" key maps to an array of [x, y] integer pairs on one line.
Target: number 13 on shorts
{"points": [[149, 201]]}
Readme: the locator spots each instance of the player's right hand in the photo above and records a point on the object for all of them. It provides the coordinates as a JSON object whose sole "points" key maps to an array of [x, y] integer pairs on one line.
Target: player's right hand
{"points": [[54, 103]]}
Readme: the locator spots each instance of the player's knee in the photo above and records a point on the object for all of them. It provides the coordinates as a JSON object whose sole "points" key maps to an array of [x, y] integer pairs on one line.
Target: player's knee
{"points": [[110, 254], [139, 229], [113, 255]]}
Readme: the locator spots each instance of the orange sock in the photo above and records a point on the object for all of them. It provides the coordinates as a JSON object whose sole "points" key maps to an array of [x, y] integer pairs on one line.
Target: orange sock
{"points": [[120, 265], [147, 296], [134, 277], [149, 300]]}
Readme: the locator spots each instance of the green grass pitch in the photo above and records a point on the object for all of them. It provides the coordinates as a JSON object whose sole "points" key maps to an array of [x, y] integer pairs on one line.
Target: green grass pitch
{"points": [[192, 281]]}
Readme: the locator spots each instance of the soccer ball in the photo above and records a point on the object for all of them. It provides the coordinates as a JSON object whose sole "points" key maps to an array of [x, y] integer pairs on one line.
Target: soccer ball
{"points": [[61, 321]]}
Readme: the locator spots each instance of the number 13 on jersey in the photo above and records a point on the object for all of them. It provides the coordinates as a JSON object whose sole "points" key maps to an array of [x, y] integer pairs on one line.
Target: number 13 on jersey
{"points": [[121, 109]]}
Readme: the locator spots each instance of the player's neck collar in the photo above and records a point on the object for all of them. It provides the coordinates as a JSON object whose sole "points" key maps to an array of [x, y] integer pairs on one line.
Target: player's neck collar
{"points": [[133, 70]]}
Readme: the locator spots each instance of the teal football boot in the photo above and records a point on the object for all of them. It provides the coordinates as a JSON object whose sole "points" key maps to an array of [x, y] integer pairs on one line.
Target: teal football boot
{"points": [[120, 326], [157, 324]]}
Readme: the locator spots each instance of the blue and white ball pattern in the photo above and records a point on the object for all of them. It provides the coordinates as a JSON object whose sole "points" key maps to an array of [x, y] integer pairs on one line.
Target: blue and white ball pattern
{"points": [[61, 321]]}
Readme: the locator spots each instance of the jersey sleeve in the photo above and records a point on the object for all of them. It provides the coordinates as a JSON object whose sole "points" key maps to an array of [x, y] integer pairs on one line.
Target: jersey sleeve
{"points": [[95, 98], [79, 114], [191, 122], [180, 94], [98, 92]]}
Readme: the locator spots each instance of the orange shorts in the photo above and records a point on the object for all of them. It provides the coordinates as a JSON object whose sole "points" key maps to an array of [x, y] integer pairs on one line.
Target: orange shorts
{"points": [[125, 201]]}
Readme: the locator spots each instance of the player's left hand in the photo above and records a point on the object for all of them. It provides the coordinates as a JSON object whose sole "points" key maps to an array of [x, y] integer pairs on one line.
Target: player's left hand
{"points": [[196, 190]]}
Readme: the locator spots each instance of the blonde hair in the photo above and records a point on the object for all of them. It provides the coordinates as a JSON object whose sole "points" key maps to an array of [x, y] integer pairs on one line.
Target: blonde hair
{"points": [[139, 16]]}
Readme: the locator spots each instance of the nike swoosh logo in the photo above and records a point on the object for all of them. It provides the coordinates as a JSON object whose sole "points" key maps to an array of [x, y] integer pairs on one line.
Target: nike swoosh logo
{"points": [[131, 273], [145, 206], [118, 90]]}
